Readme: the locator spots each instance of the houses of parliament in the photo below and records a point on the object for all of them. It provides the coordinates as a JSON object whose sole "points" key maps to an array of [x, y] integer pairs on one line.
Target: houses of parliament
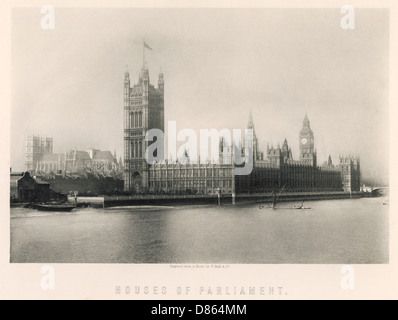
{"points": [[273, 169]]}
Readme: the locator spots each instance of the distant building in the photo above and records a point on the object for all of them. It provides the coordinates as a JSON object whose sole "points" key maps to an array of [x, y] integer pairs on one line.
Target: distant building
{"points": [[279, 169], [351, 173], [86, 171], [272, 170], [40, 158]]}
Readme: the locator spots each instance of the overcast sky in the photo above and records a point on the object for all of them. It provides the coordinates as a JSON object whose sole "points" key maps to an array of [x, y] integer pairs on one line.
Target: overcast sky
{"points": [[218, 64]]}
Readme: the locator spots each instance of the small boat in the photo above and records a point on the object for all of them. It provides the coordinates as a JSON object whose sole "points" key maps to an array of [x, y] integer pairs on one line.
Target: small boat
{"points": [[55, 207], [275, 204], [301, 207]]}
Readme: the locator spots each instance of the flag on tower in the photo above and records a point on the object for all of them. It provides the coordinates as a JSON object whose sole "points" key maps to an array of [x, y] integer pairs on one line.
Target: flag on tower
{"points": [[146, 46]]}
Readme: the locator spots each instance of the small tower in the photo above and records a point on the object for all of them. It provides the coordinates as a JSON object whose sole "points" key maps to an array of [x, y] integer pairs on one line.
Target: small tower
{"points": [[330, 163], [250, 125], [225, 151], [145, 80], [286, 151], [161, 83], [126, 88]]}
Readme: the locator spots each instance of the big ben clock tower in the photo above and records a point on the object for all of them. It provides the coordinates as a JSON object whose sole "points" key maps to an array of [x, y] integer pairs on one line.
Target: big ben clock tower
{"points": [[307, 149]]}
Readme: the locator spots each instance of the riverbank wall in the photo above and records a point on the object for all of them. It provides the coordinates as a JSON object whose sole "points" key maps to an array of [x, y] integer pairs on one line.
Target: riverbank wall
{"points": [[224, 199]]}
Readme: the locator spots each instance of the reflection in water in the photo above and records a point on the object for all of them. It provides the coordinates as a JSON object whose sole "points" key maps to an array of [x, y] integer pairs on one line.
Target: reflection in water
{"points": [[338, 231]]}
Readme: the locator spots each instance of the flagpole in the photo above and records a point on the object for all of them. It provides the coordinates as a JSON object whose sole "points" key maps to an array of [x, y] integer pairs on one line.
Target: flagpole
{"points": [[143, 53]]}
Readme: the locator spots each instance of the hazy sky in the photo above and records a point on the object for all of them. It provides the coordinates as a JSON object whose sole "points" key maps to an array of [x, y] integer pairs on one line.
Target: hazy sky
{"points": [[218, 64]]}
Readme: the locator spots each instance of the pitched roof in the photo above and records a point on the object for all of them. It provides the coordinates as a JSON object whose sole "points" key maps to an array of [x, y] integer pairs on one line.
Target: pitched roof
{"points": [[82, 155], [104, 155], [38, 181]]}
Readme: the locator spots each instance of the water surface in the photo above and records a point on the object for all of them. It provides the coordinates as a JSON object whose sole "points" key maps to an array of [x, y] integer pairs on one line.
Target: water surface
{"points": [[334, 232]]}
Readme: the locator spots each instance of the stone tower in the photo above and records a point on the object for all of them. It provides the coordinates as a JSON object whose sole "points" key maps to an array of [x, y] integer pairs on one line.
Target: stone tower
{"points": [[306, 143], [36, 147], [350, 173], [143, 110], [257, 155]]}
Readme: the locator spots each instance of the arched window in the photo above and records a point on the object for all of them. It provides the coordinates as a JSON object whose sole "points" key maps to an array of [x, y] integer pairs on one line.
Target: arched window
{"points": [[140, 149], [132, 119], [132, 150], [140, 119], [136, 149]]}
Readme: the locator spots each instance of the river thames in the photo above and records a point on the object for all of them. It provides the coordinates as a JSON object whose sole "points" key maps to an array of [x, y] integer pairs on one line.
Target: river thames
{"points": [[352, 231]]}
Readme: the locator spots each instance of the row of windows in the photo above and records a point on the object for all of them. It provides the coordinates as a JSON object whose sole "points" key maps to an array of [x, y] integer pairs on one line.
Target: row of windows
{"points": [[294, 175], [326, 181], [136, 149], [133, 165], [244, 186], [136, 119], [191, 173], [130, 133], [190, 184], [136, 102]]}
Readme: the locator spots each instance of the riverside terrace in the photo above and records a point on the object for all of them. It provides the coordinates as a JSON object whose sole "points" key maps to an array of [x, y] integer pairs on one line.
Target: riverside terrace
{"points": [[215, 199]]}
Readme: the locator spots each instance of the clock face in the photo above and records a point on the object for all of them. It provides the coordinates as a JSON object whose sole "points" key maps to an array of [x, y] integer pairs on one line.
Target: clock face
{"points": [[304, 140]]}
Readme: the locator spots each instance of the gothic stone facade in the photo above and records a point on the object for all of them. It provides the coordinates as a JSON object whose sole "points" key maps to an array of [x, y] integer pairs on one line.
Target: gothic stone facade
{"points": [[143, 110], [276, 169], [40, 158]]}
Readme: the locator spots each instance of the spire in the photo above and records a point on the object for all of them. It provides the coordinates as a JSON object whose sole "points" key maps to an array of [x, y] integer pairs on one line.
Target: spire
{"points": [[330, 163], [126, 77], [161, 81], [250, 124], [306, 122], [285, 147]]}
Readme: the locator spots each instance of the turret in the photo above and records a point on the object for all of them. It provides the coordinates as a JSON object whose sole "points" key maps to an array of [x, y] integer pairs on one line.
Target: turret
{"points": [[161, 82], [145, 80], [330, 163], [285, 147], [126, 89], [126, 80]]}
